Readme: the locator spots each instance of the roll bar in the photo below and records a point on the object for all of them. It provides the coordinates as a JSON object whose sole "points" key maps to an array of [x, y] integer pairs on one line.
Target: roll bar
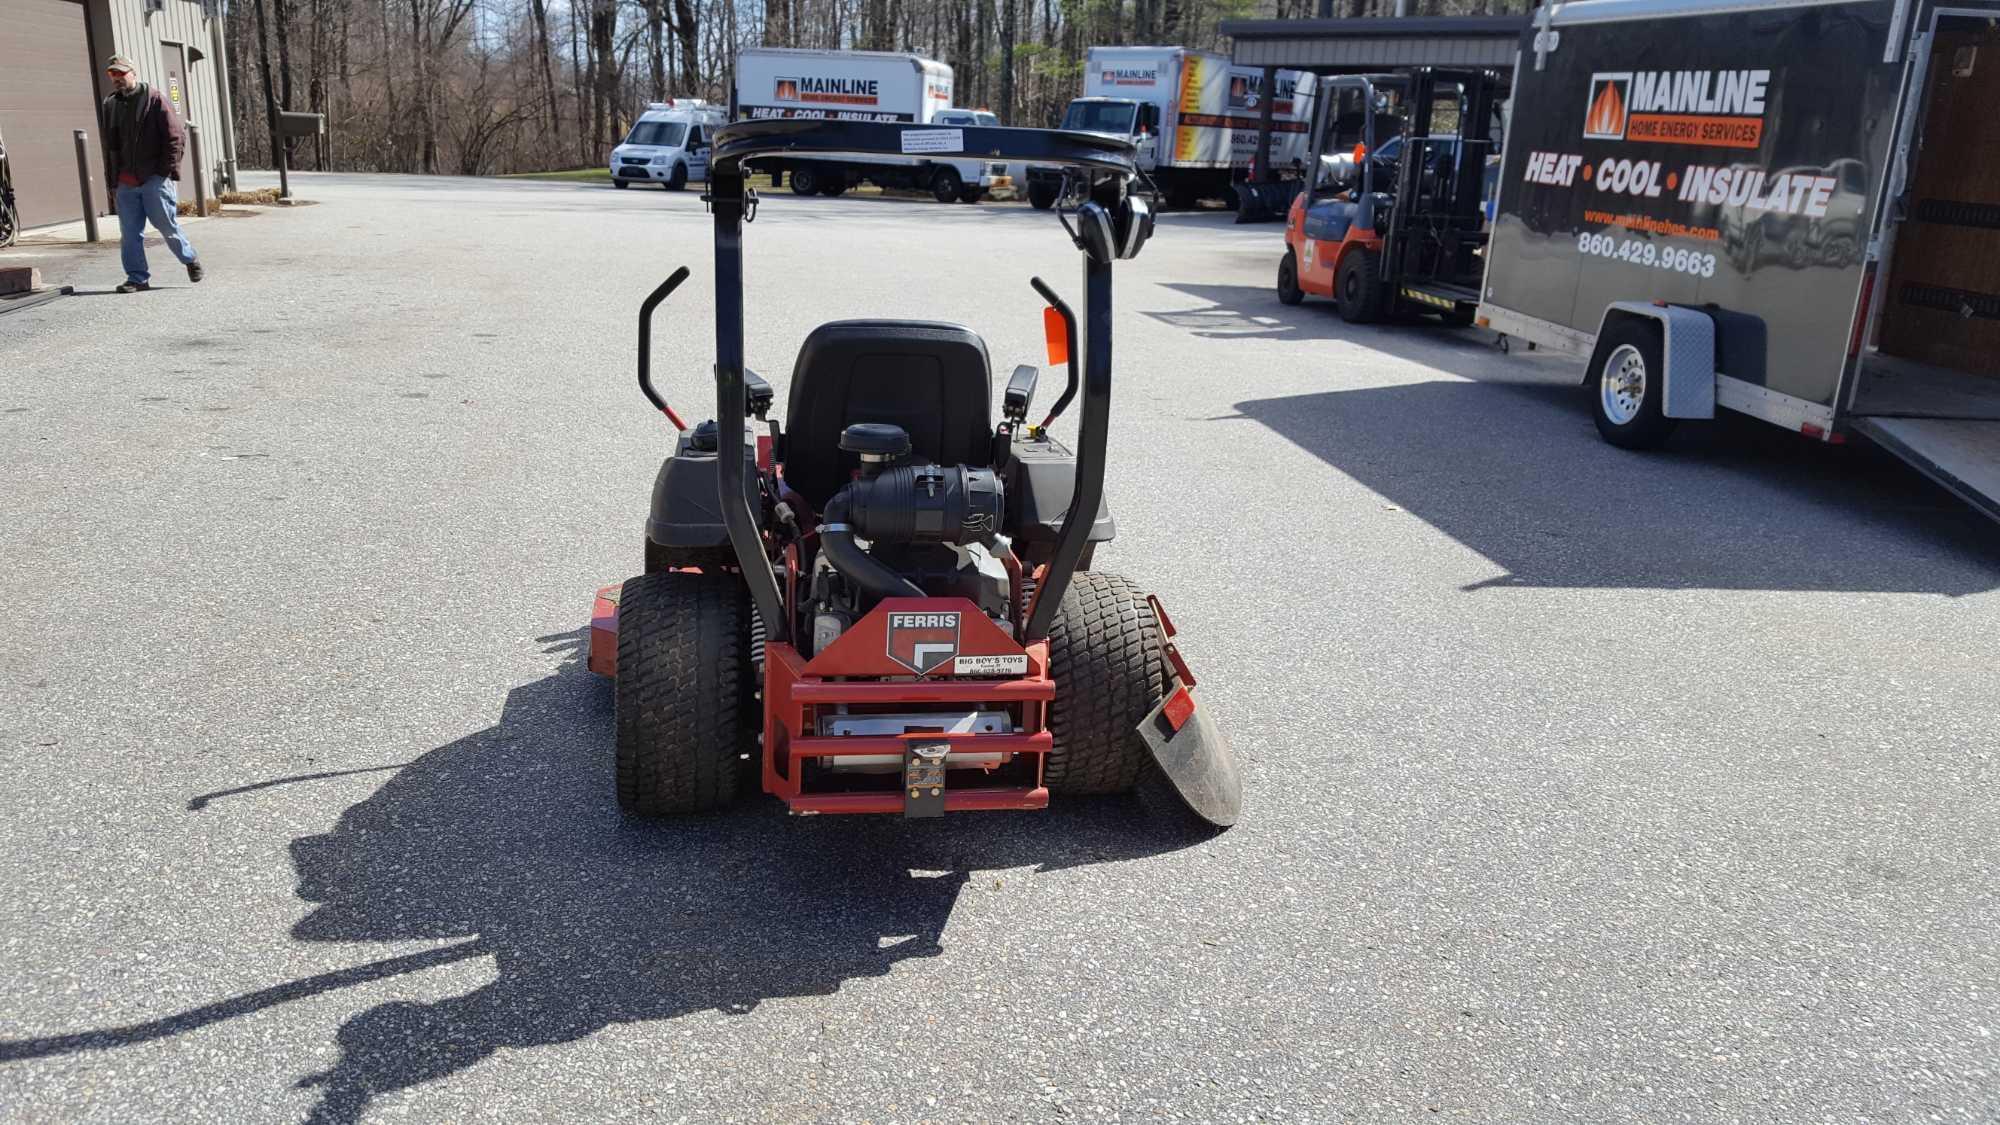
{"points": [[797, 136], [730, 200]]}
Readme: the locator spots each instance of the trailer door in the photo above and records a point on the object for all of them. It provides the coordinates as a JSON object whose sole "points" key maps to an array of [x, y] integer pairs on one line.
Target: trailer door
{"points": [[1927, 388]]}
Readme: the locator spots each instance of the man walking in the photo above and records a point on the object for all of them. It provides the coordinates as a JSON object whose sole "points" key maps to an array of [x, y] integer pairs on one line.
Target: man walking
{"points": [[143, 139]]}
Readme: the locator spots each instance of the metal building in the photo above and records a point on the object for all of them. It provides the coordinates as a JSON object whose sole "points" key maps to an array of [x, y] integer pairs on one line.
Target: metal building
{"points": [[52, 55]]}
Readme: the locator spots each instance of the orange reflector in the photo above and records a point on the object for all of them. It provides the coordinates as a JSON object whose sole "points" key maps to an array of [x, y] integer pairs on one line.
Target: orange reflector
{"points": [[1484, 322], [1056, 330], [1179, 708]]}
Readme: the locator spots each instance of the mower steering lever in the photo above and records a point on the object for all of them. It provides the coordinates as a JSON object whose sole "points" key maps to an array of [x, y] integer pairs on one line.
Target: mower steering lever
{"points": [[1069, 367], [662, 292]]}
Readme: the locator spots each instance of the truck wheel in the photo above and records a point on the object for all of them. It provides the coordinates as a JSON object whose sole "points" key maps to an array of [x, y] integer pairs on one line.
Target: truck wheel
{"points": [[805, 181], [1630, 383], [946, 185], [1358, 290], [832, 185], [1042, 196], [971, 194], [679, 180], [1105, 656], [1289, 292], [685, 710]]}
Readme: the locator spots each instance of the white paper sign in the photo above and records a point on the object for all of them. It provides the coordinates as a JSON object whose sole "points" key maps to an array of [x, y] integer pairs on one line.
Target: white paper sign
{"points": [[933, 140], [1016, 665]]}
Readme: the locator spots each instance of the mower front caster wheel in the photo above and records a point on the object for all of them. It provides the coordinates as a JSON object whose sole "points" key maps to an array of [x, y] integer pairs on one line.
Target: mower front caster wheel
{"points": [[686, 711]]}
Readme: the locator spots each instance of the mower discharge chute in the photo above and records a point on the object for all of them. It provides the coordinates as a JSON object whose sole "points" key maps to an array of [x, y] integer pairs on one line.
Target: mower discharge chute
{"points": [[888, 605]]}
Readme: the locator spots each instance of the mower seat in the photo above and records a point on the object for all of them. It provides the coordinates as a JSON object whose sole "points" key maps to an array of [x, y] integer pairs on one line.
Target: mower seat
{"points": [[931, 379]]}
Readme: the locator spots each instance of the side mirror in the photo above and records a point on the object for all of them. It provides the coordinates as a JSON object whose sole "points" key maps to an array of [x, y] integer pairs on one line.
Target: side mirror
{"points": [[1020, 394]]}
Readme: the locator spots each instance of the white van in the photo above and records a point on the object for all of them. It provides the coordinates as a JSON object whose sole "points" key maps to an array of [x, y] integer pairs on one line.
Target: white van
{"points": [[668, 144]]}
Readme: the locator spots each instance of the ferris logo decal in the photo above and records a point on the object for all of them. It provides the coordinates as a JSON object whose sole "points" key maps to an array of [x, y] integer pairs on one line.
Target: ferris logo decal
{"points": [[923, 642], [845, 91], [1714, 108]]}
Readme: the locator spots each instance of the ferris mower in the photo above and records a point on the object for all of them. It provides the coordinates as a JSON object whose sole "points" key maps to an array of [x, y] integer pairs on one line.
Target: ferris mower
{"points": [[887, 606]]}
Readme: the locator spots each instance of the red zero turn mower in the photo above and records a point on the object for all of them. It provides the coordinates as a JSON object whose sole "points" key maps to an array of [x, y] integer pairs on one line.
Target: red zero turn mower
{"points": [[888, 606]]}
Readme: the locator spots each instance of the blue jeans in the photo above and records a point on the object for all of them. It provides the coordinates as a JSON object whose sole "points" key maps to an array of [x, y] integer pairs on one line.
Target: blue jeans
{"points": [[157, 201]]}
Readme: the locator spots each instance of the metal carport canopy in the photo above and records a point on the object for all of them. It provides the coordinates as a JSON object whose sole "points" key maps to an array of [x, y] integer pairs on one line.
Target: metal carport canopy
{"points": [[1333, 46]]}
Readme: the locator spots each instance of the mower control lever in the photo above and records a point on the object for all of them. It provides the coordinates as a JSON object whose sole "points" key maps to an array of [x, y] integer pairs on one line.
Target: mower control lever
{"points": [[1069, 353], [666, 289]]}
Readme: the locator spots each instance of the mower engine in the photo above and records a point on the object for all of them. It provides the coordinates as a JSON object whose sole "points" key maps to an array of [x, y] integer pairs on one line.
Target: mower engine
{"points": [[929, 531]]}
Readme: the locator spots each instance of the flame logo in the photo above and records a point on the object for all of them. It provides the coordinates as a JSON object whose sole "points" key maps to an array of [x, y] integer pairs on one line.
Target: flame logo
{"points": [[1607, 113]]}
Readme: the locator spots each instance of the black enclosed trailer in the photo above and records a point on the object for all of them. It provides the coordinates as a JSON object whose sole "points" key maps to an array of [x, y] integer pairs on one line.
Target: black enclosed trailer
{"points": [[1790, 210]]}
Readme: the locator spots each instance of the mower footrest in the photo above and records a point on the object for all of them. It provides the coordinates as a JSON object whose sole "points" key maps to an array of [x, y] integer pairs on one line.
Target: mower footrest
{"points": [[955, 800], [855, 745], [924, 691]]}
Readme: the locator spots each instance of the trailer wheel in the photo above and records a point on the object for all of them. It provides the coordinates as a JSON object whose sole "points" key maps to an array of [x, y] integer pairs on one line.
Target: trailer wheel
{"points": [[1105, 656], [805, 180], [1358, 290], [1041, 195], [971, 194], [684, 704], [946, 185], [1629, 385], [832, 185], [1289, 292]]}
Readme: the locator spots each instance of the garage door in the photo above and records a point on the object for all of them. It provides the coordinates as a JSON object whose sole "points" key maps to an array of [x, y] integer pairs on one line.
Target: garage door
{"points": [[46, 91]]}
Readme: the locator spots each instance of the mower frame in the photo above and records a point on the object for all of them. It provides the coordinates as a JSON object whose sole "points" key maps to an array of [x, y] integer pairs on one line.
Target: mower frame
{"points": [[1006, 664]]}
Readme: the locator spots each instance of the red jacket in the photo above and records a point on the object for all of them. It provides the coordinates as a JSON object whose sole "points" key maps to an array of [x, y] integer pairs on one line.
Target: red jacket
{"points": [[153, 149]]}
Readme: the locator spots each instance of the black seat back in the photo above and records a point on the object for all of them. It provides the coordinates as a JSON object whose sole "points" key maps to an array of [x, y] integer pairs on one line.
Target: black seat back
{"points": [[931, 379]]}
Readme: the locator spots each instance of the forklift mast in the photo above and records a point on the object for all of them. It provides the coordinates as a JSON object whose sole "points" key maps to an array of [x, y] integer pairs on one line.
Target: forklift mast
{"points": [[1436, 225]]}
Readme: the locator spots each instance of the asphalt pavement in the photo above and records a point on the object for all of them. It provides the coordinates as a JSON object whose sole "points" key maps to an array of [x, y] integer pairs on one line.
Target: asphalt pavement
{"points": [[1584, 785]]}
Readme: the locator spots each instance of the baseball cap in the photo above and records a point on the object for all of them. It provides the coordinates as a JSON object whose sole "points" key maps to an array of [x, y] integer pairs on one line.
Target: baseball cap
{"points": [[120, 62]]}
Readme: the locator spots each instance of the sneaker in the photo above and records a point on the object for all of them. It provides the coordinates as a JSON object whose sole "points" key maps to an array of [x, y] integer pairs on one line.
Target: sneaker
{"points": [[194, 270], [134, 287]]}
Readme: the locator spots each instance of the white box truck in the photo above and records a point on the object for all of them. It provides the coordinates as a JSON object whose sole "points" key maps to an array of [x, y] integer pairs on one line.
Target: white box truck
{"points": [[857, 86], [1788, 209], [1193, 116]]}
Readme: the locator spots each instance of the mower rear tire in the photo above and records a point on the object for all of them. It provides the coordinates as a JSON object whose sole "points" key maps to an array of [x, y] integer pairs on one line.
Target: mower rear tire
{"points": [[1106, 657], [686, 710], [1358, 288]]}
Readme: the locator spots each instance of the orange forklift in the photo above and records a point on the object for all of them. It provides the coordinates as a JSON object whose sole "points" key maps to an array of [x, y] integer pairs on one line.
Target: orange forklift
{"points": [[1394, 219]]}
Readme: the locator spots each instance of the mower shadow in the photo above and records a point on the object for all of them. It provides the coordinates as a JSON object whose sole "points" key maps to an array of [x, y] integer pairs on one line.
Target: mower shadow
{"points": [[507, 842], [1516, 472]]}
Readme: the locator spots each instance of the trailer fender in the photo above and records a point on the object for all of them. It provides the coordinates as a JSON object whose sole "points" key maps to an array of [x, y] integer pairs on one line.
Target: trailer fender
{"points": [[1688, 350]]}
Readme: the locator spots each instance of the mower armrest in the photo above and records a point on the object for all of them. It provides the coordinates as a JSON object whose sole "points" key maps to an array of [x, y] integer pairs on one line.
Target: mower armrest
{"points": [[1020, 393], [757, 390]]}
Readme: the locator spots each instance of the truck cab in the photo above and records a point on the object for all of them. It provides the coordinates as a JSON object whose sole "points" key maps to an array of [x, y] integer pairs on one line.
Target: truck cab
{"points": [[988, 174], [1128, 118], [668, 145]]}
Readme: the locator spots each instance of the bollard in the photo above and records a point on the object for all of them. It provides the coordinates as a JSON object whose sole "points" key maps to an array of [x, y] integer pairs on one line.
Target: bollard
{"points": [[83, 184], [200, 190]]}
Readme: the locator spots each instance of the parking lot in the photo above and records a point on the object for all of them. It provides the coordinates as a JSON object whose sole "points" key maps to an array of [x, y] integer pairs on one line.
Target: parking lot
{"points": [[1584, 785]]}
